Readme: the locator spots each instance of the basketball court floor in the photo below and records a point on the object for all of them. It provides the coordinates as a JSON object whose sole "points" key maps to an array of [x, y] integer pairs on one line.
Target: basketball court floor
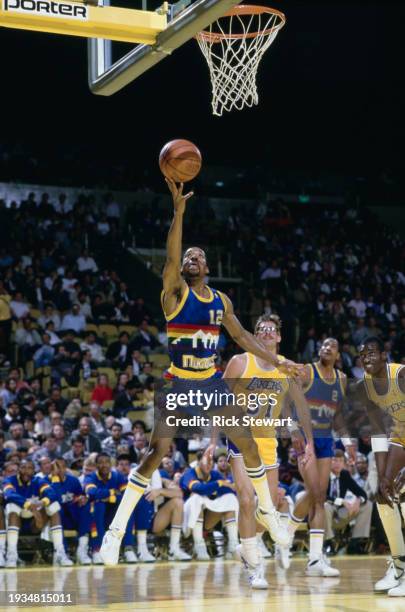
{"points": [[217, 586]]}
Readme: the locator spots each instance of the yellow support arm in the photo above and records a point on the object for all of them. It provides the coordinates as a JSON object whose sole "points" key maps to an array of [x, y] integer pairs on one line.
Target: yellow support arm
{"points": [[79, 19]]}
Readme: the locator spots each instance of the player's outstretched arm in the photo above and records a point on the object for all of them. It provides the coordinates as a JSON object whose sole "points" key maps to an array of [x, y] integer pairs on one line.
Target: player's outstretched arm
{"points": [[250, 343], [173, 283], [304, 416]]}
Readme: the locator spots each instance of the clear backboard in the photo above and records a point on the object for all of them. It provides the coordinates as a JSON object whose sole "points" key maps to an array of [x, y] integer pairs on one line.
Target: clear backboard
{"points": [[184, 20]]}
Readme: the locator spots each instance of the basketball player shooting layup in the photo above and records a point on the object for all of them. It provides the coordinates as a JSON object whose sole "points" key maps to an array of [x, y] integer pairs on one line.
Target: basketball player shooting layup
{"points": [[194, 313]]}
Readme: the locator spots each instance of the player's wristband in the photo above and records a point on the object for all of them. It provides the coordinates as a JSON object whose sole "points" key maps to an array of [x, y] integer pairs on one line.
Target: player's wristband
{"points": [[346, 442], [379, 445], [338, 502]]}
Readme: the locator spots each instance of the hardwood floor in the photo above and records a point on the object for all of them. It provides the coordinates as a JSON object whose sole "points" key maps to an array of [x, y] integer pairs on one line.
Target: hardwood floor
{"points": [[218, 586]]}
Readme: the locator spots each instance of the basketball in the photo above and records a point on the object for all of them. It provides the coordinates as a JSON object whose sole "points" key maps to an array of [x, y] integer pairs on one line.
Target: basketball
{"points": [[180, 160]]}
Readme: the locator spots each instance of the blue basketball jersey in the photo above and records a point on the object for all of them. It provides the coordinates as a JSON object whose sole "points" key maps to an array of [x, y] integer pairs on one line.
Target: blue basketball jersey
{"points": [[193, 333], [323, 397]]}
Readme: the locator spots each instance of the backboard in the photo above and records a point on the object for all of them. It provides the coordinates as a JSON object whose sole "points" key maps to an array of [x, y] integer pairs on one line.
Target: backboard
{"points": [[157, 29], [184, 20]]}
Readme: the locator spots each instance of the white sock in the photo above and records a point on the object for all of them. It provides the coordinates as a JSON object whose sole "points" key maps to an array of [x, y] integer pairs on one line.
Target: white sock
{"points": [[84, 542], [232, 531], [175, 533], [3, 536], [133, 493], [391, 520], [12, 539], [250, 551], [315, 543], [293, 523], [258, 479], [57, 538], [141, 539], [198, 532]]}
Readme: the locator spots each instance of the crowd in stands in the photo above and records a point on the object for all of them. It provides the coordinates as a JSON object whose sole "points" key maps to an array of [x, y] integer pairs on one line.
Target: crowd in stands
{"points": [[80, 353]]}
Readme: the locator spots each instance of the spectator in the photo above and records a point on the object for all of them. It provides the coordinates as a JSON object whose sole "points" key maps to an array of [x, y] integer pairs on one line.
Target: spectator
{"points": [[49, 315], [17, 438], [86, 263], [50, 330], [102, 392], [62, 444], [28, 339], [111, 444], [357, 370], [13, 415], [44, 354], [97, 420], [90, 344], [19, 308], [42, 423], [74, 320], [124, 401], [77, 454], [91, 443], [84, 369], [118, 351], [144, 341], [341, 509]]}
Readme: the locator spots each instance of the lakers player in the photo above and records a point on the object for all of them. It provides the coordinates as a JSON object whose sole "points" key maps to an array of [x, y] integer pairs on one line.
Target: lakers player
{"points": [[382, 391], [324, 388], [194, 313], [251, 375]]}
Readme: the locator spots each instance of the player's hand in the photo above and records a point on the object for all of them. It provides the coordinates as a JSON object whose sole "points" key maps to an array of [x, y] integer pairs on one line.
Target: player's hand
{"points": [[399, 481], [179, 200], [351, 451], [81, 500], [209, 452], [309, 454], [353, 507], [207, 460], [291, 368], [227, 483], [298, 442], [386, 492], [151, 495]]}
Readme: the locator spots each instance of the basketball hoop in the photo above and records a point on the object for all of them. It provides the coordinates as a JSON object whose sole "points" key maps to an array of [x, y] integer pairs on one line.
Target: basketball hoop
{"points": [[233, 47]]}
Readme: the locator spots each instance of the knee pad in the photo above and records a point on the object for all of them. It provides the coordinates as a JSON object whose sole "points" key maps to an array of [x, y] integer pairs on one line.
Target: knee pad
{"points": [[53, 508]]}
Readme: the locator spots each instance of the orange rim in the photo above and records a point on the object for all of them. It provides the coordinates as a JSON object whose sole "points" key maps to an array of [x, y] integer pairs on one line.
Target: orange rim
{"points": [[244, 9]]}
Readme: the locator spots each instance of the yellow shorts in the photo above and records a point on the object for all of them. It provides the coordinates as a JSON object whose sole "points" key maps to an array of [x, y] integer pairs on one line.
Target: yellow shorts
{"points": [[268, 452]]}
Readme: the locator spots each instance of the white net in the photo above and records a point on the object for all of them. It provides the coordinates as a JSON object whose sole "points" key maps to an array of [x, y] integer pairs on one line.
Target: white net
{"points": [[233, 47]]}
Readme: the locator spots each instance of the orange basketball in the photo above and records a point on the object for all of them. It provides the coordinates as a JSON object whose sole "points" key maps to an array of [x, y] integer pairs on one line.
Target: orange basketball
{"points": [[180, 160]]}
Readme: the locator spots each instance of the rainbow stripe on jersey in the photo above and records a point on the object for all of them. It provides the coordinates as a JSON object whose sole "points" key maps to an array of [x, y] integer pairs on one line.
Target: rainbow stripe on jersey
{"points": [[323, 397], [193, 334]]}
